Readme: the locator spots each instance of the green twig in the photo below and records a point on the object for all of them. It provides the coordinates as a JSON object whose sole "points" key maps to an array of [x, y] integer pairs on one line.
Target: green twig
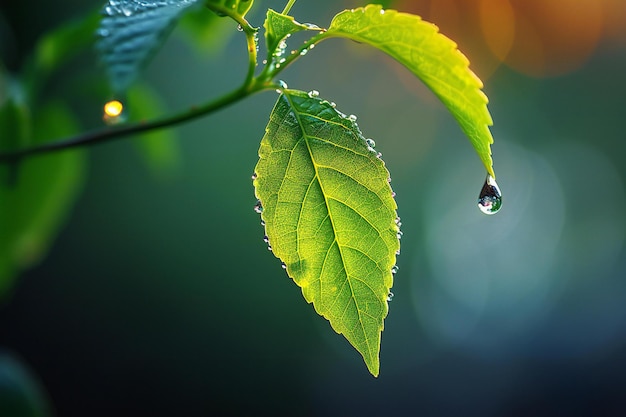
{"points": [[287, 8], [104, 135]]}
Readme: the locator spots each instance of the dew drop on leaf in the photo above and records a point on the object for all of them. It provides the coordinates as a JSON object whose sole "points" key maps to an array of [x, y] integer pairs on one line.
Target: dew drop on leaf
{"points": [[390, 296], [314, 93], [490, 198], [371, 143], [258, 207]]}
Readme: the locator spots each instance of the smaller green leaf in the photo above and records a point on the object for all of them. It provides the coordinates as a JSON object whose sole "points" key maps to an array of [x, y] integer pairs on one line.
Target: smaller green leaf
{"points": [[330, 215], [33, 208], [60, 45], [432, 57], [278, 26], [205, 31], [160, 147], [232, 8], [131, 32]]}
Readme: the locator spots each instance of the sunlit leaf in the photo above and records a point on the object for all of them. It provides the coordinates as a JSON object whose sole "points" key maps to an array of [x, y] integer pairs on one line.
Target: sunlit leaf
{"points": [[131, 31], [330, 216], [432, 57], [35, 203]]}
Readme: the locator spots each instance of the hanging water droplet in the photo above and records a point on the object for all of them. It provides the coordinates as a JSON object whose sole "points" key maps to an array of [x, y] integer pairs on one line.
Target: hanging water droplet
{"points": [[333, 104], [262, 222], [110, 11], [258, 207], [304, 52], [395, 269], [266, 239], [352, 118], [314, 93], [254, 176], [103, 32], [389, 296], [283, 265], [240, 28], [370, 142], [490, 198], [399, 234]]}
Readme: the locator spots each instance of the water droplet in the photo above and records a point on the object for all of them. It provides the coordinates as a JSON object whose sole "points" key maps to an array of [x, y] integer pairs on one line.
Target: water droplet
{"points": [[382, 11], [370, 142], [314, 93], [266, 239], [282, 84], [113, 112], [352, 118], [258, 207], [389, 296], [311, 26], [262, 222], [254, 176], [333, 104], [304, 52], [312, 46], [103, 32], [395, 269], [269, 248], [240, 28], [127, 11], [399, 234], [283, 265], [490, 198], [110, 11], [264, 62]]}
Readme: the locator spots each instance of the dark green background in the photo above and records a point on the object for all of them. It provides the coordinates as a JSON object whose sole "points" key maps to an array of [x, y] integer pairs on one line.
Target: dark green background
{"points": [[159, 297]]}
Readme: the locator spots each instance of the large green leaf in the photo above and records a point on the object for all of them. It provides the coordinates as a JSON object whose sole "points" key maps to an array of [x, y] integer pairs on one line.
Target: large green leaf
{"points": [[131, 31], [330, 215], [34, 204], [432, 57]]}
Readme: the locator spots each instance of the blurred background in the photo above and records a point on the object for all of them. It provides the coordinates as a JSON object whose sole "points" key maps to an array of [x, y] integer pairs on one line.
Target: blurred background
{"points": [[160, 298]]}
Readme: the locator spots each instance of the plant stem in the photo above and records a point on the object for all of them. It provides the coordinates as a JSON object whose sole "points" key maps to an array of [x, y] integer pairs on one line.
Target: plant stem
{"points": [[288, 6], [105, 135]]}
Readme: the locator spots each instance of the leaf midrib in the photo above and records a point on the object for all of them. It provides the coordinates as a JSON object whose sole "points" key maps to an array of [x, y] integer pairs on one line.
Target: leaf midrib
{"points": [[305, 137]]}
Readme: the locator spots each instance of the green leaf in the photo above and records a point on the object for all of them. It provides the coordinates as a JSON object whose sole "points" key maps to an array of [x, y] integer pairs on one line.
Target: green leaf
{"points": [[60, 45], [159, 147], [432, 57], [33, 208], [278, 27], [232, 8], [205, 31], [131, 32], [330, 216]]}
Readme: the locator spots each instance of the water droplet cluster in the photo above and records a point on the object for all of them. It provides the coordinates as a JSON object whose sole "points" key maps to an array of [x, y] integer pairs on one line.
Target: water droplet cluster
{"points": [[490, 197]]}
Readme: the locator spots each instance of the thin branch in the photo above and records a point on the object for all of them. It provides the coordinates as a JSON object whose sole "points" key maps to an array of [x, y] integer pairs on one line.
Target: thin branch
{"points": [[288, 6], [109, 134]]}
